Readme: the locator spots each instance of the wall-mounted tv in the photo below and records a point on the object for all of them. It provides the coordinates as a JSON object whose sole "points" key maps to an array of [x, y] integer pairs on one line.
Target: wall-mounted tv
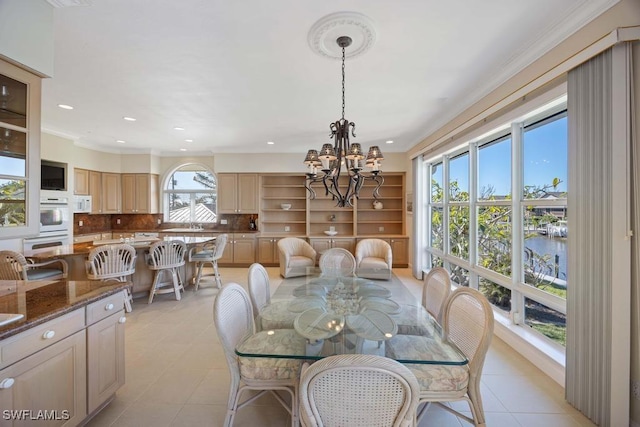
{"points": [[53, 176]]}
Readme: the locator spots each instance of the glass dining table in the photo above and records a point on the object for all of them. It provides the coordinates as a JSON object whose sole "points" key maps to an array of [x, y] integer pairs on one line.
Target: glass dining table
{"points": [[316, 316]]}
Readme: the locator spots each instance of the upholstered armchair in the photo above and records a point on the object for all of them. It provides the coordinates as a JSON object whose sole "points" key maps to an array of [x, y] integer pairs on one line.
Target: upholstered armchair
{"points": [[374, 259], [296, 256]]}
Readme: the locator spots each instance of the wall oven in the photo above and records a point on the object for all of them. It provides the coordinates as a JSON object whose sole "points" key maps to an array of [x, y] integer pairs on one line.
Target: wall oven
{"points": [[45, 240], [54, 215]]}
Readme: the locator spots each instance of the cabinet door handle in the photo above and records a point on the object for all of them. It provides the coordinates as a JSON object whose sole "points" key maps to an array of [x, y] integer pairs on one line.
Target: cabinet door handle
{"points": [[7, 383], [108, 307], [49, 334], [122, 320]]}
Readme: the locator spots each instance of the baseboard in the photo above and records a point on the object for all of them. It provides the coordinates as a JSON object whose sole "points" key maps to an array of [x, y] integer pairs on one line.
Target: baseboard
{"points": [[534, 348]]}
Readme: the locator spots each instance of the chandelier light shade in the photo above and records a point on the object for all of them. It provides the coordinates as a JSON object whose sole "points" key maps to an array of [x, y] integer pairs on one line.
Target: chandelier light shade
{"points": [[343, 158]]}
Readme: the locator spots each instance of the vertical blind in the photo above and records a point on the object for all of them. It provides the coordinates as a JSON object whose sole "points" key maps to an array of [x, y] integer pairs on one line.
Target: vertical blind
{"points": [[598, 308]]}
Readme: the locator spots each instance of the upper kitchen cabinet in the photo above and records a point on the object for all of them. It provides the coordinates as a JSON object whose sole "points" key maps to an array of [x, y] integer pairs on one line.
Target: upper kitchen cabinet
{"points": [[111, 193], [237, 193], [20, 93], [81, 181], [139, 193]]}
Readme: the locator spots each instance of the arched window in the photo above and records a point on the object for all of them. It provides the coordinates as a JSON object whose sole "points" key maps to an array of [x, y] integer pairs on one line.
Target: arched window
{"points": [[190, 195]]}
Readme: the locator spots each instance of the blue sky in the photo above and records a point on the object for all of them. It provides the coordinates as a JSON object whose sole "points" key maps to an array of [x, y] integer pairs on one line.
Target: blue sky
{"points": [[544, 158]]}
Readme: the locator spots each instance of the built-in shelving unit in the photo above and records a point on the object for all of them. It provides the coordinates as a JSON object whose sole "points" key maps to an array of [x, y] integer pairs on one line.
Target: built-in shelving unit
{"points": [[283, 189], [389, 220]]}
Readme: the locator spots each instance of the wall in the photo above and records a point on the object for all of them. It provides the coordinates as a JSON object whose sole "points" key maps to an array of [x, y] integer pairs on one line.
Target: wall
{"points": [[26, 34], [624, 14]]}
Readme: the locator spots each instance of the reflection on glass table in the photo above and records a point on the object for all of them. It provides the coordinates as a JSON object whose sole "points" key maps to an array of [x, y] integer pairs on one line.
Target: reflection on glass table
{"points": [[315, 317]]}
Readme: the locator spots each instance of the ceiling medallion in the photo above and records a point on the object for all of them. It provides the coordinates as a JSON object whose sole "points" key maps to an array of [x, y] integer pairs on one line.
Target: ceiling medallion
{"points": [[324, 33]]}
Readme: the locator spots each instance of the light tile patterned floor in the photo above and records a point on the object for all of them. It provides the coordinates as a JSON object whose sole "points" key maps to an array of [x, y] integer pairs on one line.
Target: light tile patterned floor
{"points": [[176, 374]]}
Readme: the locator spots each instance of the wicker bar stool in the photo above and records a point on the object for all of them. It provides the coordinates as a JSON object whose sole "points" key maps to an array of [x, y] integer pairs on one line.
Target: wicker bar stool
{"points": [[166, 256]]}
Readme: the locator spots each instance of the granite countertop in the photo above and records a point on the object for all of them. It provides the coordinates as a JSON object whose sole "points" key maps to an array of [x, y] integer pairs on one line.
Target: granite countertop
{"points": [[41, 301], [84, 248]]}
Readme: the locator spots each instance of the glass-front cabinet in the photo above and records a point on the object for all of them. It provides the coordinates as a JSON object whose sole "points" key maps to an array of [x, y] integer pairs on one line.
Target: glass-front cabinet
{"points": [[19, 151]]}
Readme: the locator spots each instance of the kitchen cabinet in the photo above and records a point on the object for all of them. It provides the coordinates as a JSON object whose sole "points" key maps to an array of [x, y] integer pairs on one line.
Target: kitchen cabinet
{"points": [[95, 191], [53, 379], [237, 193], [240, 250], [321, 244], [81, 181], [139, 193], [400, 250], [105, 357], [268, 250], [111, 193]]}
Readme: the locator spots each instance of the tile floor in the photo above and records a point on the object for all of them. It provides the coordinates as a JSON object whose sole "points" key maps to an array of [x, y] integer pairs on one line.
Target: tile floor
{"points": [[176, 374]]}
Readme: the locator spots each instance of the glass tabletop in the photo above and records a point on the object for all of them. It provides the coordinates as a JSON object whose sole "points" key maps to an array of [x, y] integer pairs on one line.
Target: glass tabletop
{"points": [[312, 317]]}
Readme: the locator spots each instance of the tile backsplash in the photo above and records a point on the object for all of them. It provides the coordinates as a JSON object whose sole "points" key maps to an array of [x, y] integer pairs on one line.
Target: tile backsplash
{"points": [[150, 222]]}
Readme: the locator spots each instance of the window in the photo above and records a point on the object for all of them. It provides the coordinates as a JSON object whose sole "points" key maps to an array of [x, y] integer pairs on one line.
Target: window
{"points": [[13, 152], [190, 195], [497, 210]]}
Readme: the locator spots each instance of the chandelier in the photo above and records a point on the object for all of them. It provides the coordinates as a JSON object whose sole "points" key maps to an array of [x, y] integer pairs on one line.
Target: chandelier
{"points": [[343, 158]]}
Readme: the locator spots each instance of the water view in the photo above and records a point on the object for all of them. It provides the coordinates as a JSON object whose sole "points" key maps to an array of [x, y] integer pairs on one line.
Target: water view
{"points": [[551, 246]]}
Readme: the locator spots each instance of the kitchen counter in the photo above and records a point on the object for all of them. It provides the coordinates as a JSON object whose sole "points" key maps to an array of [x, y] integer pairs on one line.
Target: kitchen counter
{"points": [[42, 301], [84, 248], [76, 255]]}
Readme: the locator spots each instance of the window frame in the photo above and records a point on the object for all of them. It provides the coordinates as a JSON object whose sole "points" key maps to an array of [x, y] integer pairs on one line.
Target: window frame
{"points": [[514, 129], [166, 192]]}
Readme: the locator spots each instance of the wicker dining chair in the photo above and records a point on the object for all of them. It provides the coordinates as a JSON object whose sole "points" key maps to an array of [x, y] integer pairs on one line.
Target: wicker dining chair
{"points": [[267, 315], [166, 257], [468, 323], [337, 262], [435, 291], [233, 318], [113, 262], [358, 390], [14, 266]]}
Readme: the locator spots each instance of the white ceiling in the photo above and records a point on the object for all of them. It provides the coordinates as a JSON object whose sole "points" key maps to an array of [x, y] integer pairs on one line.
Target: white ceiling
{"points": [[236, 74]]}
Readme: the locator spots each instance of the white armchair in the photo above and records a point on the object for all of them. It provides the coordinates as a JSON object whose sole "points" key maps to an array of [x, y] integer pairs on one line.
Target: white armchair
{"points": [[374, 259], [296, 256]]}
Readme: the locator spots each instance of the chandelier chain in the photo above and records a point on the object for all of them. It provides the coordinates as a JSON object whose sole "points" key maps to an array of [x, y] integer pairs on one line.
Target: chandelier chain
{"points": [[343, 57]]}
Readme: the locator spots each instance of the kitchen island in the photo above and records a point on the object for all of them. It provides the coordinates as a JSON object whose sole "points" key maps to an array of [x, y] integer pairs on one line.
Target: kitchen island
{"points": [[76, 255], [65, 355]]}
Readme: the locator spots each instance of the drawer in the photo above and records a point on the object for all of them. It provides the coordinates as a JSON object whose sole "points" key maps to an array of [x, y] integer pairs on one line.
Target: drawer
{"points": [[105, 307], [35, 339]]}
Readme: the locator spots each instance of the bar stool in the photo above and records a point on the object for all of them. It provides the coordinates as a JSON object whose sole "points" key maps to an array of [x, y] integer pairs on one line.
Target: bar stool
{"points": [[166, 256], [209, 253], [113, 262]]}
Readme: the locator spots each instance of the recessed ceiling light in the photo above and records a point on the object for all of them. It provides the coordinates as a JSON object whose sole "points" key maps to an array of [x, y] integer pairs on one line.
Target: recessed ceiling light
{"points": [[65, 106], [130, 119], [188, 140], [178, 128], [389, 142], [270, 142], [183, 149], [120, 141]]}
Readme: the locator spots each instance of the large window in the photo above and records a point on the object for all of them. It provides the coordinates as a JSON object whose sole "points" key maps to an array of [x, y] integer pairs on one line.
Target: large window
{"points": [[497, 216], [13, 152], [190, 195]]}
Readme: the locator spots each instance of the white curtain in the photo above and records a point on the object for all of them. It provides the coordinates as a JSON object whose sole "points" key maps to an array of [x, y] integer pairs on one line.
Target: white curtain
{"points": [[419, 226], [599, 250]]}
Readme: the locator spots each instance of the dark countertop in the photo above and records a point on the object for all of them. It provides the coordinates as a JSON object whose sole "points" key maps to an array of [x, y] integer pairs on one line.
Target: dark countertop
{"points": [[84, 248], [41, 301]]}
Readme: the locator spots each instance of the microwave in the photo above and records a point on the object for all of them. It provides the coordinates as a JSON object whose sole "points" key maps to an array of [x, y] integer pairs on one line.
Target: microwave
{"points": [[82, 204]]}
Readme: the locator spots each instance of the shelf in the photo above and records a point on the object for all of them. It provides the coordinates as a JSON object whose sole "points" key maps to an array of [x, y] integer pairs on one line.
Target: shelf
{"points": [[283, 210], [386, 221]]}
